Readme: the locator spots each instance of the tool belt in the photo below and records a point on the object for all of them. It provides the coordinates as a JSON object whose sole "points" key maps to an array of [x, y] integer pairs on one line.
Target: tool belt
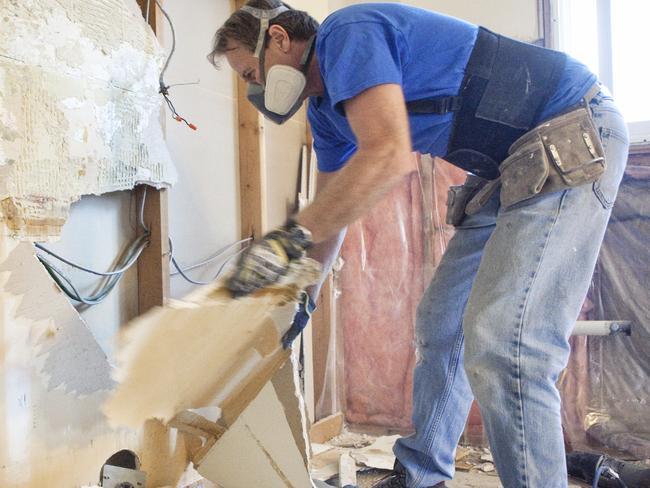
{"points": [[563, 152], [506, 86]]}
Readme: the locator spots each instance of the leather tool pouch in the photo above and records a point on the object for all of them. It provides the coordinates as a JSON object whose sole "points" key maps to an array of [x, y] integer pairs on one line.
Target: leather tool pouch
{"points": [[459, 196], [562, 153]]}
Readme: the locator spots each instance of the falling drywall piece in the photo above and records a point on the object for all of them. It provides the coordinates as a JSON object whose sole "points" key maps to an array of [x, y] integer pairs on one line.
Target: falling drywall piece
{"points": [[287, 386], [259, 449], [208, 349], [54, 377], [79, 108]]}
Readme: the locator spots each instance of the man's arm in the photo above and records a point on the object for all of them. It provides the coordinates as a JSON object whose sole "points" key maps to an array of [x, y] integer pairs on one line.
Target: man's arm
{"points": [[384, 156], [327, 251]]}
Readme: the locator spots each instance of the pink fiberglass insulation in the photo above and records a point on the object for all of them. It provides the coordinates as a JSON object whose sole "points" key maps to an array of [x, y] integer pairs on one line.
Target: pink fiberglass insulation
{"points": [[387, 258]]}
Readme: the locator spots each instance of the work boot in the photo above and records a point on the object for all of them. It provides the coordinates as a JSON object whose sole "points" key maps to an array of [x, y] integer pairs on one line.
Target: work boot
{"points": [[397, 479]]}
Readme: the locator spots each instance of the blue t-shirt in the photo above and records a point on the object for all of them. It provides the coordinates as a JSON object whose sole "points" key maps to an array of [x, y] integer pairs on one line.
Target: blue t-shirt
{"points": [[365, 45]]}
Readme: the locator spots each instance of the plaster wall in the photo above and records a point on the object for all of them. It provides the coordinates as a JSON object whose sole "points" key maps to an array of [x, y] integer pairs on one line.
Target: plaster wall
{"points": [[204, 204]]}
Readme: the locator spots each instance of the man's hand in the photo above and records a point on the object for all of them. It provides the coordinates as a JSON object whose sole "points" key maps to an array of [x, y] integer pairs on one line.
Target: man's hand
{"points": [[300, 320], [266, 261]]}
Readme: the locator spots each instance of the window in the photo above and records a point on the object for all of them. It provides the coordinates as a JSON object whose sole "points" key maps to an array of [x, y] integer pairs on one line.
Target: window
{"points": [[612, 38]]}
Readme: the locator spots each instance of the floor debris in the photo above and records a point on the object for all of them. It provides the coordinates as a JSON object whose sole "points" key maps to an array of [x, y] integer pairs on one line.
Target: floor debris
{"points": [[374, 457]]}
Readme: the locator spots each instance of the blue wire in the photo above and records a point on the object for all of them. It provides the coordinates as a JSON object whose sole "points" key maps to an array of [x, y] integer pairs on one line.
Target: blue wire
{"points": [[599, 472]]}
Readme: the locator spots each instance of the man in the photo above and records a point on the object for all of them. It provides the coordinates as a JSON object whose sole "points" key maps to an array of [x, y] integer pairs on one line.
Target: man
{"points": [[385, 80]]}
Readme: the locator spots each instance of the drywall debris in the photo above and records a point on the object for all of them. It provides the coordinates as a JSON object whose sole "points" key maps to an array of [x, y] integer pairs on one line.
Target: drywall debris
{"points": [[379, 454], [347, 471], [351, 439], [325, 465], [486, 467], [52, 432], [207, 349], [79, 108], [259, 449]]}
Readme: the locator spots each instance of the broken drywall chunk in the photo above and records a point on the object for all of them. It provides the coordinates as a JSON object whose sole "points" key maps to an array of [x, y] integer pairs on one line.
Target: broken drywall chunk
{"points": [[377, 455], [259, 449], [54, 379], [79, 109], [208, 349]]}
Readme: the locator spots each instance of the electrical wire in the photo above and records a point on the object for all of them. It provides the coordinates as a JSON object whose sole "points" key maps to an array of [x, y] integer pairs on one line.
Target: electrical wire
{"points": [[130, 262], [127, 259], [66, 285], [164, 88], [115, 272], [215, 256], [183, 271], [173, 48], [606, 471]]}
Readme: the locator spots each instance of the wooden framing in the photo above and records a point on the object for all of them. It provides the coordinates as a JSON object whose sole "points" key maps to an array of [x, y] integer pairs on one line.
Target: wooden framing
{"points": [[153, 265], [545, 13], [252, 185]]}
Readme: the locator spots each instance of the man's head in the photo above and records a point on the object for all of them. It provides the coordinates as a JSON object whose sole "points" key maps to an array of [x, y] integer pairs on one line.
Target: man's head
{"points": [[284, 42], [237, 38]]}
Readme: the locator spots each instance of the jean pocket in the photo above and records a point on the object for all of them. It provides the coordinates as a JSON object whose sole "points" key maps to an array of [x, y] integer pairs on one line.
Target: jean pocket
{"points": [[606, 187]]}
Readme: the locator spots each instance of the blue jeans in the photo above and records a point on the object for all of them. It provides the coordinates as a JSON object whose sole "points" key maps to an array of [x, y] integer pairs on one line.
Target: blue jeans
{"points": [[495, 321]]}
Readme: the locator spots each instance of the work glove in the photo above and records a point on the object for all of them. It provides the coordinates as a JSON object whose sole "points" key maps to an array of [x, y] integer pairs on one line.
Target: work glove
{"points": [[266, 261], [300, 320]]}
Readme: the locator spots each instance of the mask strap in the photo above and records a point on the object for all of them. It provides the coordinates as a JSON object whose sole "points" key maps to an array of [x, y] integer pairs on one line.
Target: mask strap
{"points": [[264, 16], [308, 52]]}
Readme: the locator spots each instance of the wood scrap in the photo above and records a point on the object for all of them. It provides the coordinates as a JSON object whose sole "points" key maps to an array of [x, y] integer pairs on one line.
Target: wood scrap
{"points": [[195, 424], [326, 429]]}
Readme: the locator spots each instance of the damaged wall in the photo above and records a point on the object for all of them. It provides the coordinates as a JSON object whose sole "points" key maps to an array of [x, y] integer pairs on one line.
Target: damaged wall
{"points": [[79, 108], [54, 379]]}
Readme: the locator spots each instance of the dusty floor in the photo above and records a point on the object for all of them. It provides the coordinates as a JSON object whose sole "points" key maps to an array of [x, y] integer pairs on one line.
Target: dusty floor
{"points": [[462, 480], [474, 466]]}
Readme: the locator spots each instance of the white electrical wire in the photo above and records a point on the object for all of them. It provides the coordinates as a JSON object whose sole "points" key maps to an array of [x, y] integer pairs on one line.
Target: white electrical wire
{"points": [[65, 283], [183, 271], [113, 277], [214, 257], [131, 261]]}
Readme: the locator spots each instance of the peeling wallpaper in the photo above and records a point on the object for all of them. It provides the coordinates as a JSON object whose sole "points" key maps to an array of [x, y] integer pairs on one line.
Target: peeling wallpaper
{"points": [[79, 109]]}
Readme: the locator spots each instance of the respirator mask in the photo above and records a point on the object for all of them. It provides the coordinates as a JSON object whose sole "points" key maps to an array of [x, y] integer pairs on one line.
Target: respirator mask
{"points": [[278, 98]]}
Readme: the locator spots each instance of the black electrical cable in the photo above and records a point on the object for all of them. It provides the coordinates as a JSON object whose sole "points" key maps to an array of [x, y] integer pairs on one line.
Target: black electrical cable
{"points": [[164, 88]]}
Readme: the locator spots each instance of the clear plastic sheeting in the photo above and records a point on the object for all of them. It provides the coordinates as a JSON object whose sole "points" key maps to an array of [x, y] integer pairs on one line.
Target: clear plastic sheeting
{"points": [[614, 401], [388, 259]]}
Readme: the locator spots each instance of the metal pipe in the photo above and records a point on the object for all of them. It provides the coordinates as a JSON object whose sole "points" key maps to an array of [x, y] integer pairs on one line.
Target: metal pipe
{"points": [[602, 327]]}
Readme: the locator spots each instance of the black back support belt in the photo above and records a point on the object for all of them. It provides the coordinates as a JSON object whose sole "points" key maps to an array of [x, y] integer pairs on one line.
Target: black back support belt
{"points": [[506, 86]]}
